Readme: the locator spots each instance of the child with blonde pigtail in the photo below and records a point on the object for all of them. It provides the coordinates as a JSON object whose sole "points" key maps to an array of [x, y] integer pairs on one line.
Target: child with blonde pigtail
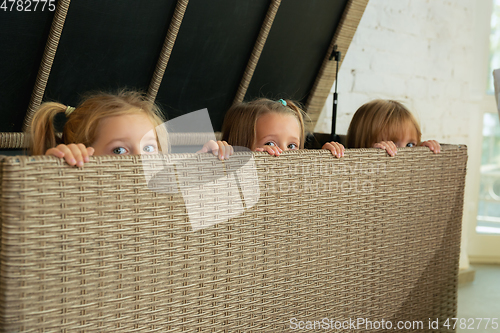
{"points": [[105, 124]]}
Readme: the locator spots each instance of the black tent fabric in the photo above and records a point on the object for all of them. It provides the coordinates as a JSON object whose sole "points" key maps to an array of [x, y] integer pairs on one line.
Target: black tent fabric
{"points": [[107, 45]]}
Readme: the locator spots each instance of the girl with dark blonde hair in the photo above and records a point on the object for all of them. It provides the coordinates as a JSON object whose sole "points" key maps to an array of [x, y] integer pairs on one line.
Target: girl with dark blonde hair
{"points": [[386, 124], [105, 124], [267, 125]]}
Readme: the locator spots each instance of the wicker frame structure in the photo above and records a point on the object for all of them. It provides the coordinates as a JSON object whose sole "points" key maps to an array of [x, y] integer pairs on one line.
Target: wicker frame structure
{"points": [[367, 236]]}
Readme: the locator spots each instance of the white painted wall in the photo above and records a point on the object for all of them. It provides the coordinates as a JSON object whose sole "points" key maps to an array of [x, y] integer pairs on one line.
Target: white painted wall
{"points": [[432, 56]]}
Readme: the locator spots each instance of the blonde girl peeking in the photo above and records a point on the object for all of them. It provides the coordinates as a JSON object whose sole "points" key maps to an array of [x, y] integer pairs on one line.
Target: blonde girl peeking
{"points": [[105, 124], [271, 126], [386, 124]]}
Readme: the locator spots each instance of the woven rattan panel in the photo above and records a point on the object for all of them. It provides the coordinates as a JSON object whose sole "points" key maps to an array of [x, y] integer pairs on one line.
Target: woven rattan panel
{"points": [[364, 236]]}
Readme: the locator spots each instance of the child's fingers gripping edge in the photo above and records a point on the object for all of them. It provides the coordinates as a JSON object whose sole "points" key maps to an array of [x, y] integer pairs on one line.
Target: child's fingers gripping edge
{"points": [[388, 146], [337, 149], [220, 150], [226, 149], [90, 151], [63, 151], [79, 152], [433, 145], [210, 146], [84, 152], [55, 152], [271, 150]]}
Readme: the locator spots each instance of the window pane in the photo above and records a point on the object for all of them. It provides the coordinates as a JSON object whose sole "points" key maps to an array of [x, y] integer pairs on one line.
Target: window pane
{"points": [[488, 219]]}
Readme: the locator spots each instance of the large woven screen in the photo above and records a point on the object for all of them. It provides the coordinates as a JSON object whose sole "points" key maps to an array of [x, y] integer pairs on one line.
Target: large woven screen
{"points": [[307, 239]]}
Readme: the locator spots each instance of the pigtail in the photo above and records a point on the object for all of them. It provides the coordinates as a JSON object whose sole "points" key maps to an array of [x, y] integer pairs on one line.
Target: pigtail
{"points": [[42, 132]]}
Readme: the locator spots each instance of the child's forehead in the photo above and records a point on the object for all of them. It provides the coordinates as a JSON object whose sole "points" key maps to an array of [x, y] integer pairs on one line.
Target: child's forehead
{"points": [[279, 115], [277, 122], [126, 123], [401, 130]]}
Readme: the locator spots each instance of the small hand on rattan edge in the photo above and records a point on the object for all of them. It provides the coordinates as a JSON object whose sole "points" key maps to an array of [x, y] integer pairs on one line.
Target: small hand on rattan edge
{"points": [[271, 150], [73, 154], [337, 149], [433, 145], [221, 149], [389, 146]]}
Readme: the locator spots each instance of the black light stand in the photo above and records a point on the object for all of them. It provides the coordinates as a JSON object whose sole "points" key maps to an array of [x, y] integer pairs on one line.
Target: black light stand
{"points": [[335, 55]]}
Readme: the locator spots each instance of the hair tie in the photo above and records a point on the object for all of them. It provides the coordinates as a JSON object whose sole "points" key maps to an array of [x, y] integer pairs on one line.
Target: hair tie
{"points": [[282, 101], [68, 111]]}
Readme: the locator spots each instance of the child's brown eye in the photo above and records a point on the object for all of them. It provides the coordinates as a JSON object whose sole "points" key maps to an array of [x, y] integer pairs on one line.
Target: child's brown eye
{"points": [[410, 144]]}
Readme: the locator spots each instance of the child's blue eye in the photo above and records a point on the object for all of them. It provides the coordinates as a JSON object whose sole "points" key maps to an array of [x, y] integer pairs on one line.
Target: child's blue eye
{"points": [[292, 146], [410, 144], [149, 149], [119, 150], [270, 143]]}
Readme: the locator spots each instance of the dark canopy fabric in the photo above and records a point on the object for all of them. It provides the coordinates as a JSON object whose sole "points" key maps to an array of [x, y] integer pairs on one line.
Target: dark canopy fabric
{"points": [[106, 45]]}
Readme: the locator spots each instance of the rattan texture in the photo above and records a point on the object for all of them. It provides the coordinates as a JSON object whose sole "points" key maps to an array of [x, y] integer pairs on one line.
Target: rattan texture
{"points": [[13, 140], [93, 249], [47, 60]]}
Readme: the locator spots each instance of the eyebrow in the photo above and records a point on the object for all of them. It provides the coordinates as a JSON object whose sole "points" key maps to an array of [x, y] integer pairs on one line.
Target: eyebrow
{"points": [[147, 137], [273, 136]]}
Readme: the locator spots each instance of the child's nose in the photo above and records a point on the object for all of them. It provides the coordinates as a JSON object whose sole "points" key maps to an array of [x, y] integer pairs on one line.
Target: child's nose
{"points": [[136, 151]]}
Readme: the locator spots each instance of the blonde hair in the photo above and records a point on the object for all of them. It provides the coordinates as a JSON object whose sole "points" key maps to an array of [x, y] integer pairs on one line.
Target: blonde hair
{"points": [[82, 123], [377, 119], [238, 128]]}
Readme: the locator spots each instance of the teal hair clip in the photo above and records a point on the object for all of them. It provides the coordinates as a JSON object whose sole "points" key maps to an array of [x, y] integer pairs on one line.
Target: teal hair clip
{"points": [[282, 101]]}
